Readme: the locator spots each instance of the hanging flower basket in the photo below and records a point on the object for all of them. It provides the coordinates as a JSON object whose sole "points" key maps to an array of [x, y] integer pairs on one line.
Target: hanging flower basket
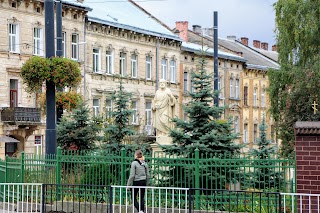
{"points": [[62, 71]]}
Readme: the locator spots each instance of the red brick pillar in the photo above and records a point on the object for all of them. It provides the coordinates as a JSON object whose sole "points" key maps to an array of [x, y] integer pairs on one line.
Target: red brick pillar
{"points": [[307, 136]]}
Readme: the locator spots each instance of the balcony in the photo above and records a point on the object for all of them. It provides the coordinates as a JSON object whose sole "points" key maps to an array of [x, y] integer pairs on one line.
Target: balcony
{"points": [[23, 115]]}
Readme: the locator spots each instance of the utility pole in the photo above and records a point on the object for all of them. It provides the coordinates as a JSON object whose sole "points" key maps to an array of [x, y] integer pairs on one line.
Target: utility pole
{"points": [[51, 139], [59, 51], [215, 55]]}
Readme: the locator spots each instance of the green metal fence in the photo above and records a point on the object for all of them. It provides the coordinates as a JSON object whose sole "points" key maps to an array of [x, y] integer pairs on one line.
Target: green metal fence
{"points": [[197, 171]]}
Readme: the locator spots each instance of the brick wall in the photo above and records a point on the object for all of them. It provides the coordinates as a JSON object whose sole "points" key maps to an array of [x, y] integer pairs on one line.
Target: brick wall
{"points": [[307, 136]]}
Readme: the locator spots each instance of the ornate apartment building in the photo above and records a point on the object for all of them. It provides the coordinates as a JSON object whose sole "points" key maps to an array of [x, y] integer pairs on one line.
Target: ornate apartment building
{"points": [[242, 78], [22, 36], [230, 67], [116, 42], [125, 44]]}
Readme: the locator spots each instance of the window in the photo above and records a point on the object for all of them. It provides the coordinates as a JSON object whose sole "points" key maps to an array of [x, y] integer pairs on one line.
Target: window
{"points": [[231, 88], [219, 87], [148, 114], [123, 66], [173, 71], [245, 96], [148, 67], [13, 92], [64, 44], [263, 102], [109, 108], [13, 38], [255, 133], [134, 108], [237, 95], [191, 86], [255, 97], [96, 60], [236, 124], [134, 66], [109, 62], [245, 133], [272, 134], [185, 81], [96, 107], [38, 145], [75, 46], [37, 41], [164, 69]]}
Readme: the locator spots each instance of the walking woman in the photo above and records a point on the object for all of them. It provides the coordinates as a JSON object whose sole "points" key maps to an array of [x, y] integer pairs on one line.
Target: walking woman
{"points": [[139, 176]]}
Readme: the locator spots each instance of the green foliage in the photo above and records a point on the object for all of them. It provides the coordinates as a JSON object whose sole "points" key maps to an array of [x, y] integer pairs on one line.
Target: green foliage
{"points": [[294, 87], [204, 129], [97, 174], [78, 131], [62, 71], [266, 174], [120, 116]]}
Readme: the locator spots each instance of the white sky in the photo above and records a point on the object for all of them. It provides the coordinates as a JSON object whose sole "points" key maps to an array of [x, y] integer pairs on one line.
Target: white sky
{"points": [[254, 19]]}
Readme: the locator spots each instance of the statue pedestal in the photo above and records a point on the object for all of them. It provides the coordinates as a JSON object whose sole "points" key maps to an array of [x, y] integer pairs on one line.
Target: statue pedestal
{"points": [[160, 140]]}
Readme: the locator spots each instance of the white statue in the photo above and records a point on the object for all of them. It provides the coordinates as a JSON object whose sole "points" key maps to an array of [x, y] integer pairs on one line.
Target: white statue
{"points": [[163, 106]]}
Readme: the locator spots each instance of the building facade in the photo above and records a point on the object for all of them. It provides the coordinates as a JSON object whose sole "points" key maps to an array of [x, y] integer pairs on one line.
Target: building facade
{"points": [[22, 36], [125, 44]]}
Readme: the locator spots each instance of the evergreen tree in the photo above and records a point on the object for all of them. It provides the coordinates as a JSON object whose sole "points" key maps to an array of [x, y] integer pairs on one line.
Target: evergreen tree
{"points": [[204, 130], [119, 127], [77, 131], [265, 174]]}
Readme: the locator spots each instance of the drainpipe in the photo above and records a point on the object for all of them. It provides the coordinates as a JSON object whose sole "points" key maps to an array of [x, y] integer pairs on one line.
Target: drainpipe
{"points": [[84, 57], [157, 64]]}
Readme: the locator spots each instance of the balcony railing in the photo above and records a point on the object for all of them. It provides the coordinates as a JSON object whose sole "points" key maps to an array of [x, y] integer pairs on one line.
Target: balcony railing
{"points": [[20, 114]]}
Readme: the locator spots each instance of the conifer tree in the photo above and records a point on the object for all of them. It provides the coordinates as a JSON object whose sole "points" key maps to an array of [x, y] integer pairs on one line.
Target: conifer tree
{"points": [[266, 174], [204, 128], [77, 131], [119, 127]]}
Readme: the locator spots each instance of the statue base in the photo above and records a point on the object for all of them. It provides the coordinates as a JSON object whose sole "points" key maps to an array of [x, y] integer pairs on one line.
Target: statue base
{"points": [[160, 140]]}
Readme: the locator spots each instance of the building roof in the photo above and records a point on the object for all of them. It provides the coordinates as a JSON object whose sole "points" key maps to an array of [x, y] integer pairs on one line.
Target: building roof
{"points": [[270, 54], [255, 59], [127, 15], [76, 4], [186, 46]]}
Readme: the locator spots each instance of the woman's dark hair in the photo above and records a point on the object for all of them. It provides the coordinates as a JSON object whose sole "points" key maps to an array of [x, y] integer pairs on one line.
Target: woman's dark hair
{"points": [[138, 153]]}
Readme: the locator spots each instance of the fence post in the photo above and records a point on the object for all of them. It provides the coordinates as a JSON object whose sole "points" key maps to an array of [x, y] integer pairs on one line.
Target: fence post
{"points": [[280, 203], [58, 172], [197, 180], [123, 168], [111, 199], [22, 167]]}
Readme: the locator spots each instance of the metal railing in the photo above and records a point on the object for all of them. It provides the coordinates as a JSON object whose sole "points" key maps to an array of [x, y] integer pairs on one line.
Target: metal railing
{"points": [[150, 199], [20, 197], [196, 171], [300, 203], [211, 200], [118, 199]]}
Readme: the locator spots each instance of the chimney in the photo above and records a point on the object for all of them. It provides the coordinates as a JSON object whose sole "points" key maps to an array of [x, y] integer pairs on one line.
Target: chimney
{"points": [[182, 27], [197, 29], [274, 47], [231, 37], [264, 45], [244, 41], [256, 44], [208, 31]]}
